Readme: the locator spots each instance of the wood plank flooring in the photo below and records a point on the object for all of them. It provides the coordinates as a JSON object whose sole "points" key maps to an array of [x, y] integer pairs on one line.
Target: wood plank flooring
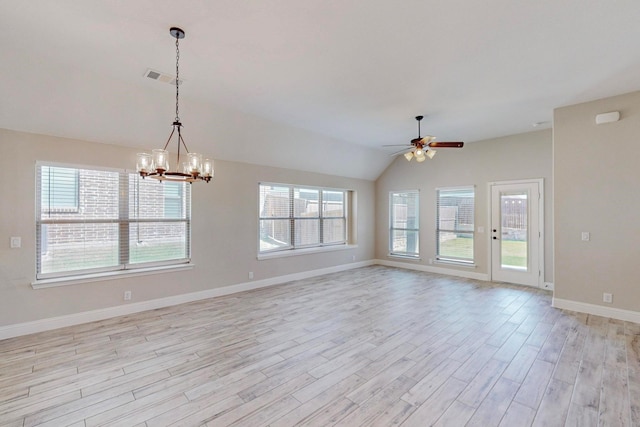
{"points": [[374, 346]]}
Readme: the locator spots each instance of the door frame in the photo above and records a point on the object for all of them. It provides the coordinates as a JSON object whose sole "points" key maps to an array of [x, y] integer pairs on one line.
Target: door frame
{"points": [[541, 229]]}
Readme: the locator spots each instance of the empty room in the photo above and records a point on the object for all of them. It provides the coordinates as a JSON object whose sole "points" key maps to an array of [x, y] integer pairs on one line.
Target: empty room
{"points": [[316, 213]]}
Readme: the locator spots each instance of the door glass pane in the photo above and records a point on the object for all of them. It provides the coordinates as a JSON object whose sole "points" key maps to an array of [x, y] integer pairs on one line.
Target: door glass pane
{"points": [[514, 224]]}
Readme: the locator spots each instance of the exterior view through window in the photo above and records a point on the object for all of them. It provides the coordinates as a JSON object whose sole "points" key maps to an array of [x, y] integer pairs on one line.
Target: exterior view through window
{"points": [[404, 223], [455, 224], [295, 217], [96, 220]]}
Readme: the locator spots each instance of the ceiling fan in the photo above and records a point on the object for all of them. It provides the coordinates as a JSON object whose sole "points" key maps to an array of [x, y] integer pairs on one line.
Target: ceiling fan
{"points": [[422, 147]]}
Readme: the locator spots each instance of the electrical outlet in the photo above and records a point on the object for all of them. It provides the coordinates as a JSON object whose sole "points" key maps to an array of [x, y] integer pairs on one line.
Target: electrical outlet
{"points": [[586, 236], [250, 275], [608, 298], [127, 295], [16, 242]]}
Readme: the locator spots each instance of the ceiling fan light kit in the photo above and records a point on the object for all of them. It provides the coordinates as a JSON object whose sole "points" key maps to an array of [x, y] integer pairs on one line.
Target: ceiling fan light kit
{"points": [[423, 147], [156, 165]]}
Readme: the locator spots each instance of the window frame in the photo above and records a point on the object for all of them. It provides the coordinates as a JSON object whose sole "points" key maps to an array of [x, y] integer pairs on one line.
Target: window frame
{"points": [[124, 221], [293, 219], [392, 221], [452, 259]]}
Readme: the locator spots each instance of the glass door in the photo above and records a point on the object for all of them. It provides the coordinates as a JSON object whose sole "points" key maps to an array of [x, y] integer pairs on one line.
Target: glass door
{"points": [[515, 233]]}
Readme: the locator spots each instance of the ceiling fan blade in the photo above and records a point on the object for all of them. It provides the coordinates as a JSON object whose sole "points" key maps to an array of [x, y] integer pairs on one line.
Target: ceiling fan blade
{"points": [[427, 139], [447, 144], [401, 151]]}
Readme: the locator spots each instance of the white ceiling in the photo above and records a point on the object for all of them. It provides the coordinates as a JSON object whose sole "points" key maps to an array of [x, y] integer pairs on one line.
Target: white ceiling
{"points": [[344, 74]]}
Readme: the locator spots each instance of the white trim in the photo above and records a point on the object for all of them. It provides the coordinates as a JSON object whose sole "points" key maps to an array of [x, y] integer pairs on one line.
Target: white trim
{"points": [[437, 270], [455, 263], [26, 328], [405, 257], [305, 251], [81, 166], [598, 310], [461, 187], [549, 286], [108, 275]]}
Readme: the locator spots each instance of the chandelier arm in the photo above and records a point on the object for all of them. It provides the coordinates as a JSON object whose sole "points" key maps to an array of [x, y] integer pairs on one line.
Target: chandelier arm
{"points": [[178, 159], [169, 140], [182, 141]]}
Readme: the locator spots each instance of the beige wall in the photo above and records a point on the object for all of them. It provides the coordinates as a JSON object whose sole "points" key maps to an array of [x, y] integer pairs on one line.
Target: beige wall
{"points": [[224, 230], [597, 174], [515, 157]]}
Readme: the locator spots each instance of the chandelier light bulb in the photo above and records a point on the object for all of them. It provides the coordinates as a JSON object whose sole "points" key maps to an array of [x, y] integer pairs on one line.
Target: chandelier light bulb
{"points": [[408, 155], [430, 153], [143, 165], [207, 168], [160, 160], [419, 152], [195, 160]]}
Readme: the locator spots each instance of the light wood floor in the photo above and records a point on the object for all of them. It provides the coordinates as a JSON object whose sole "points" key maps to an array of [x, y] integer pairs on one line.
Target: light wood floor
{"points": [[374, 346]]}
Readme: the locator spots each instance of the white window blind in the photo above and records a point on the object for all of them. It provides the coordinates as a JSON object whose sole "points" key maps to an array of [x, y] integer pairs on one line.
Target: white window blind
{"points": [[455, 224], [404, 223], [294, 217], [119, 221]]}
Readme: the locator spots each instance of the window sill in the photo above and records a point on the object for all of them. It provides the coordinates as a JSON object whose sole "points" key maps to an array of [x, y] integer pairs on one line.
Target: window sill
{"points": [[405, 257], [296, 252], [455, 263], [110, 275]]}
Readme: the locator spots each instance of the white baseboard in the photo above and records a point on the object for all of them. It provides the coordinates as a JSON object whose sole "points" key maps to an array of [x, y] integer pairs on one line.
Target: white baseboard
{"points": [[42, 325], [26, 328], [430, 269], [598, 310], [548, 286]]}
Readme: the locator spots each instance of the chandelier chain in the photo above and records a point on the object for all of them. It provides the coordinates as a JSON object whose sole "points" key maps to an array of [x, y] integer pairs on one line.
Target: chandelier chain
{"points": [[177, 79]]}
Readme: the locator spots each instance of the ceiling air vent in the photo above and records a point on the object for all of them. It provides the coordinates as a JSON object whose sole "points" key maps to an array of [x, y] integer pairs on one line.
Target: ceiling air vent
{"points": [[161, 77]]}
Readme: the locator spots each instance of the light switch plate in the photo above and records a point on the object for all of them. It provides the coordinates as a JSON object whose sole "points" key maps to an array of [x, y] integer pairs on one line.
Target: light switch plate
{"points": [[586, 236]]}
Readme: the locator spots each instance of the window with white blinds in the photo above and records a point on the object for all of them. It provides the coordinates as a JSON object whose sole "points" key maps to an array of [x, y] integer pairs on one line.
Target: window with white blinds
{"points": [[455, 224], [295, 217], [95, 220], [404, 223]]}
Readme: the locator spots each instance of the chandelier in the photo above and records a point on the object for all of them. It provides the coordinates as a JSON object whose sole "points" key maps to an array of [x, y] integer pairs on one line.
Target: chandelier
{"points": [[156, 164]]}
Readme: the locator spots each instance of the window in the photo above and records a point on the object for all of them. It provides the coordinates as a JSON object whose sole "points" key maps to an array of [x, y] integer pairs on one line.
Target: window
{"points": [[404, 227], [455, 224], [119, 221], [295, 217]]}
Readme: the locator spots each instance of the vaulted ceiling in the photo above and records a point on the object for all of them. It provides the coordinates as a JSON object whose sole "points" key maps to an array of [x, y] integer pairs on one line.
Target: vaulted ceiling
{"points": [[318, 85]]}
